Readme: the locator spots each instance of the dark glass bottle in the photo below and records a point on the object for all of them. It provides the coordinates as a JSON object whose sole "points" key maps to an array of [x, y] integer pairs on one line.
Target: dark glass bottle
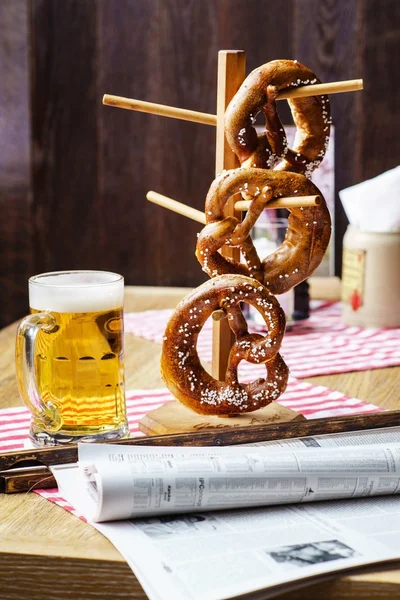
{"points": [[301, 301]]}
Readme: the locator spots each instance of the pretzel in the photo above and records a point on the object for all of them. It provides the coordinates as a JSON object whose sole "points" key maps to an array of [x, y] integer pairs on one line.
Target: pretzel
{"points": [[181, 369], [307, 235], [311, 116]]}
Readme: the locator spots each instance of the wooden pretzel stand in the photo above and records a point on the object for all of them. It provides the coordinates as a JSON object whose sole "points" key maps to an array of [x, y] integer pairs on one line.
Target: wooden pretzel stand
{"points": [[174, 417]]}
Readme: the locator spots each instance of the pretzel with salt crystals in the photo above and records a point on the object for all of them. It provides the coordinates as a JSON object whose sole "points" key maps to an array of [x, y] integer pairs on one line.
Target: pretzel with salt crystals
{"points": [[307, 235], [181, 369], [269, 150]]}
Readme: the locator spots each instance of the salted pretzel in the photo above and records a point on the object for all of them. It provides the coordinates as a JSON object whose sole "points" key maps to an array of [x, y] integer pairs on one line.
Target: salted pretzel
{"points": [[181, 369], [307, 235], [270, 150]]}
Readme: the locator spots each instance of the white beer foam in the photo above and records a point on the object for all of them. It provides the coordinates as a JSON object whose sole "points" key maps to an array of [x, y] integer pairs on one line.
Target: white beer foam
{"points": [[84, 291]]}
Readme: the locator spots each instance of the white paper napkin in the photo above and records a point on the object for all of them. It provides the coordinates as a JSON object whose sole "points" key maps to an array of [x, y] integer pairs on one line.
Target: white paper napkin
{"points": [[374, 205]]}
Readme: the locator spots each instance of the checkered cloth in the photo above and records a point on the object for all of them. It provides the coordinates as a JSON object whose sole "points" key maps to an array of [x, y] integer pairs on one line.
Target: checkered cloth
{"points": [[310, 400], [321, 345]]}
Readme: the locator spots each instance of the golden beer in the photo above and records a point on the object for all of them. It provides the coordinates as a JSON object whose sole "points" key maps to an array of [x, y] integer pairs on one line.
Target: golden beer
{"points": [[78, 360]]}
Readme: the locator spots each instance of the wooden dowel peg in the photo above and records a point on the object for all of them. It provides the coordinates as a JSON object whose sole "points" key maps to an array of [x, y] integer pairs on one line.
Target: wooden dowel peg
{"points": [[218, 315], [160, 109], [319, 89], [289, 202], [200, 217], [178, 207], [336, 87]]}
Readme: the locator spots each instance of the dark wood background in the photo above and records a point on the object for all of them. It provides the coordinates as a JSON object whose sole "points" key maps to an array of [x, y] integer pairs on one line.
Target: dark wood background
{"points": [[73, 173]]}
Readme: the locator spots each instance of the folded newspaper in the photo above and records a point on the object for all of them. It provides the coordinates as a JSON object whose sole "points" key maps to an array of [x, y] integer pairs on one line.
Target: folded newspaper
{"points": [[222, 523]]}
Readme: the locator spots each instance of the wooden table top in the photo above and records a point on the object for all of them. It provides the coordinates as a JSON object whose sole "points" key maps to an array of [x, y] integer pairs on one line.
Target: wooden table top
{"points": [[48, 554]]}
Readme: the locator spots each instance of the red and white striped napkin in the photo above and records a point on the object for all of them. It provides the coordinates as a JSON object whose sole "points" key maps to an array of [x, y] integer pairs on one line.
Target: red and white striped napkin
{"points": [[320, 345], [310, 400]]}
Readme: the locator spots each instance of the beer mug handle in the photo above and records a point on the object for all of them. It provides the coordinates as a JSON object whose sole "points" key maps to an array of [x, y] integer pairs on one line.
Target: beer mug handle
{"points": [[27, 332]]}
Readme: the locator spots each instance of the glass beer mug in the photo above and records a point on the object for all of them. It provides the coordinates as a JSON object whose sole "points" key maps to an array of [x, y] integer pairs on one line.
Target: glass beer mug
{"points": [[69, 357]]}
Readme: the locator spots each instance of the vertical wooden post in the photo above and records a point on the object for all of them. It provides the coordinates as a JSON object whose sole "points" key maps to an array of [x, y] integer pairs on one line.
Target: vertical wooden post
{"points": [[231, 73]]}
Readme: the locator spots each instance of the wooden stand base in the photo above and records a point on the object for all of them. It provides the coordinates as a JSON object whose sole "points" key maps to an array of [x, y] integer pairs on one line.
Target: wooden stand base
{"points": [[174, 417]]}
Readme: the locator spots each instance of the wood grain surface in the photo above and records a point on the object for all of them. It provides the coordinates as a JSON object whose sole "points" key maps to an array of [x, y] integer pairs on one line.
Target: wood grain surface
{"points": [[74, 173], [346, 40], [64, 97], [231, 74], [16, 227], [46, 552]]}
